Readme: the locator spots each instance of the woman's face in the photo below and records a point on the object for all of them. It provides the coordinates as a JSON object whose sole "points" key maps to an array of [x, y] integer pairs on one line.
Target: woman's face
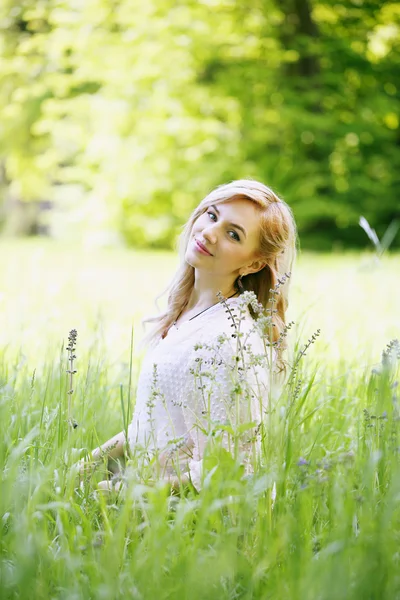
{"points": [[230, 233]]}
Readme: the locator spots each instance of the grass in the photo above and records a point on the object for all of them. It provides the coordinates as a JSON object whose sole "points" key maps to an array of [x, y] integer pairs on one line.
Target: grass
{"points": [[332, 453]]}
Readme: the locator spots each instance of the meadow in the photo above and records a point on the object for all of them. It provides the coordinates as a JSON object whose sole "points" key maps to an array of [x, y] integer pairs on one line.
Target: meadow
{"points": [[320, 520]]}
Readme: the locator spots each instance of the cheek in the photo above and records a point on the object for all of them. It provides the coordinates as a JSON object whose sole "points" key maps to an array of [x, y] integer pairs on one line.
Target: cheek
{"points": [[198, 225], [240, 256], [232, 255]]}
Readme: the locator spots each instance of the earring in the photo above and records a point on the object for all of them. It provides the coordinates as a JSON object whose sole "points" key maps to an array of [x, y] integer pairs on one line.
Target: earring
{"points": [[240, 284]]}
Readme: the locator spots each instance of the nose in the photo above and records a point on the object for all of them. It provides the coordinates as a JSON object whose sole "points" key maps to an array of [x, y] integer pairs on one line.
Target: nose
{"points": [[209, 233]]}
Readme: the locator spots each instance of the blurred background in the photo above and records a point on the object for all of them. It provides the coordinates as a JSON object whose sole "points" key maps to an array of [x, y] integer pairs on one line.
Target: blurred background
{"points": [[118, 116]]}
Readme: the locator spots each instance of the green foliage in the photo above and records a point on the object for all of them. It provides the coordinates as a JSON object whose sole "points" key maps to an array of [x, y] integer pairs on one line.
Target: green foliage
{"points": [[325, 501], [331, 451], [143, 108]]}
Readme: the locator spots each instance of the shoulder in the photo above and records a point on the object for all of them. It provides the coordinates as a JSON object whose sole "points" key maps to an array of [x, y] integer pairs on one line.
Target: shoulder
{"points": [[228, 332], [229, 320]]}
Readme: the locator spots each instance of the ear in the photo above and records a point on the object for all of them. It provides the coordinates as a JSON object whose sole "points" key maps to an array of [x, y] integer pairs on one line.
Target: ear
{"points": [[256, 266]]}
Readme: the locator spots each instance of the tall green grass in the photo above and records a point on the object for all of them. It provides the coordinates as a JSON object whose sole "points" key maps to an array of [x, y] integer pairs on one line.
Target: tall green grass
{"points": [[321, 519]]}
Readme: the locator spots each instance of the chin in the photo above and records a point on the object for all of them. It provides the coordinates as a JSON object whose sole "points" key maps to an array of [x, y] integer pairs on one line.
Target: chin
{"points": [[193, 257], [190, 258]]}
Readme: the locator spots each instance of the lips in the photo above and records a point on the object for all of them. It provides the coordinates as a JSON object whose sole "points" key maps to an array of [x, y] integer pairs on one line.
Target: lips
{"points": [[202, 247]]}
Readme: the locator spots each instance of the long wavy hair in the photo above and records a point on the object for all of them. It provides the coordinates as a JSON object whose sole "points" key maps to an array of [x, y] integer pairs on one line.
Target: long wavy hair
{"points": [[277, 248]]}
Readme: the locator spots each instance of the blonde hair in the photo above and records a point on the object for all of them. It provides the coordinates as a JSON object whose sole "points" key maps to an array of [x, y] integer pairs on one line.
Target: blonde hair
{"points": [[277, 248]]}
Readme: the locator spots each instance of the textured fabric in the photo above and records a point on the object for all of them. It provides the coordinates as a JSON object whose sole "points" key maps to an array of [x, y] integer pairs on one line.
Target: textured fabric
{"points": [[185, 389]]}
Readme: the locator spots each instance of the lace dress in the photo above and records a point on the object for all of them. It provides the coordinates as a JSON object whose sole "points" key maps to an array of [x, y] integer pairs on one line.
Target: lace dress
{"points": [[185, 389]]}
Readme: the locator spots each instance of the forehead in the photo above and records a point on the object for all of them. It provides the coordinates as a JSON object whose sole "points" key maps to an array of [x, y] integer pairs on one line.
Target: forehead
{"points": [[241, 211]]}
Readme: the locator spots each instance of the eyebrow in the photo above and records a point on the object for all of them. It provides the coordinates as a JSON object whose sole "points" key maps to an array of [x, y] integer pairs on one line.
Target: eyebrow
{"points": [[232, 224]]}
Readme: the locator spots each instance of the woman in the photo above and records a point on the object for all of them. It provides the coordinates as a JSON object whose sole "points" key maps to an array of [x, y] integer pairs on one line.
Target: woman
{"points": [[240, 239]]}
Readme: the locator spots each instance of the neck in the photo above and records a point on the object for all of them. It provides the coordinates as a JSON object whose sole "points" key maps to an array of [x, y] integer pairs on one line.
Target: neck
{"points": [[204, 293]]}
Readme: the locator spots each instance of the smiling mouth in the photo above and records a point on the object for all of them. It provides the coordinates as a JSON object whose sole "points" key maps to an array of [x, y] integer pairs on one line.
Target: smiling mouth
{"points": [[202, 248]]}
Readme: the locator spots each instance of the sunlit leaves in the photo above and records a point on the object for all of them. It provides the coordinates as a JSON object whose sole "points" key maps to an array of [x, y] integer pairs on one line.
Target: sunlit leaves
{"points": [[147, 106]]}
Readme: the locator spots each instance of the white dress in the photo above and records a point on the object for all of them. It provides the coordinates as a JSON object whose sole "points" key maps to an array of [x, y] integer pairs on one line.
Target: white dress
{"points": [[185, 390]]}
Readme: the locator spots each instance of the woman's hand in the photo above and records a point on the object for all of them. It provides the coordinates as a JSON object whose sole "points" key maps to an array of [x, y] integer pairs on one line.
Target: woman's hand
{"points": [[176, 482], [84, 468], [111, 449]]}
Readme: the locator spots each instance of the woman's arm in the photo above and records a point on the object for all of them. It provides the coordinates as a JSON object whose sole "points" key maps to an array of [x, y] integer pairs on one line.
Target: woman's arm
{"points": [[112, 449], [176, 482]]}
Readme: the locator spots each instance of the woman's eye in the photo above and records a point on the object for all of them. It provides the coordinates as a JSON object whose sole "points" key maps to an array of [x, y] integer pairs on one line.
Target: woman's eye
{"points": [[237, 238]]}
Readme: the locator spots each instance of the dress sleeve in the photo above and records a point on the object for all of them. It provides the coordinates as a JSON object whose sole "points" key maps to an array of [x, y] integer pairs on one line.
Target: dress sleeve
{"points": [[227, 387]]}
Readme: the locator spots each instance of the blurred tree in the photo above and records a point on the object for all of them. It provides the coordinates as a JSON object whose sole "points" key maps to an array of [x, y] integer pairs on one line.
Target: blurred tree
{"points": [[319, 110], [134, 111]]}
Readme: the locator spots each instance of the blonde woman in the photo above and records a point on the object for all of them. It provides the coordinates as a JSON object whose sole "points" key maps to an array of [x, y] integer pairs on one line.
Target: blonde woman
{"points": [[239, 239]]}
